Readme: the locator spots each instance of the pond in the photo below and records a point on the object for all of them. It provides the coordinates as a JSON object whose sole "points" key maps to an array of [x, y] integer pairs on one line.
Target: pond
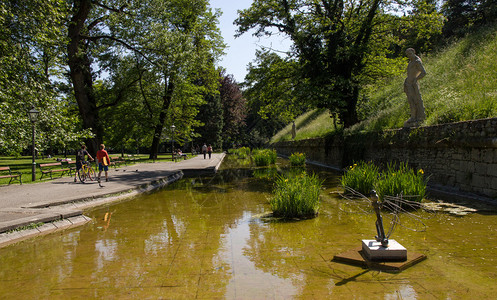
{"points": [[206, 238]]}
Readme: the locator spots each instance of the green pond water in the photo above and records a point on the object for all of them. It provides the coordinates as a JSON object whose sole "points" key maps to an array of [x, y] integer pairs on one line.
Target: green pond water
{"points": [[206, 238]]}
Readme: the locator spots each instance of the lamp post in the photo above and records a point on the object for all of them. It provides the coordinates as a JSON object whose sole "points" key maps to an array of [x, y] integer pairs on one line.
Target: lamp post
{"points": [[33, 116], [192, 135], [172, 142]]}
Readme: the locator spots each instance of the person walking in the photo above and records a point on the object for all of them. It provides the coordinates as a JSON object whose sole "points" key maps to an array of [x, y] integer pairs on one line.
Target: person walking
{"points": [[204, 149], [80, 159], [103, 162], [209, 150]]}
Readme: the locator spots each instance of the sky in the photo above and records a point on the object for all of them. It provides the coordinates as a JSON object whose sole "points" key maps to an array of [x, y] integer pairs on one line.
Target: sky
{"points": [[241, 51]]}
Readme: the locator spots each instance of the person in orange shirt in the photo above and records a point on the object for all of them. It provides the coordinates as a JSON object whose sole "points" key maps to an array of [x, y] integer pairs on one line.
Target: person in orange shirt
{"points": [[103, 162]]}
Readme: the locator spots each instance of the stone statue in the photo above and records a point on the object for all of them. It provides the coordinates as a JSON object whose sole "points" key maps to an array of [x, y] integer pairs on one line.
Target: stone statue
{"points": [[415, 71]]}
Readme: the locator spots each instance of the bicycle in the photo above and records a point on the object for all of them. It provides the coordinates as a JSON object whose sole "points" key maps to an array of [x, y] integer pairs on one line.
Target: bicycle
{"points": [[86, 172]]}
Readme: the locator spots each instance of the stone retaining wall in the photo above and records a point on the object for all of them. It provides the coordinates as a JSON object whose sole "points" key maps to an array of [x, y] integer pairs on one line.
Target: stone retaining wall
{"points": [[457, 156]]}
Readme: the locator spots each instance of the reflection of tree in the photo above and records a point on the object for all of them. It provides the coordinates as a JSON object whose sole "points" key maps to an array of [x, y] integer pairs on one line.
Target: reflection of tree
{"points": [[158, 243], [170, 240], [285, 249]]}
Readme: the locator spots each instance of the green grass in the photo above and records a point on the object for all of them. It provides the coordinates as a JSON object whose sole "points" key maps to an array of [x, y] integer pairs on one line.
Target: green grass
{"points": [[27, 227], [314, 123], [460, 85], [23, 164]]}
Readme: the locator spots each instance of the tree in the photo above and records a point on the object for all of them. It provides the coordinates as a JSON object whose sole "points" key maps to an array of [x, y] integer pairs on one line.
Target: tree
{"points": [[421, 29], [332, 41], [183, 49], [211, 121], [459, 14], [31, 44], [169, 40], [234, 109], [88, 26], [465, 15], [273, 93]]}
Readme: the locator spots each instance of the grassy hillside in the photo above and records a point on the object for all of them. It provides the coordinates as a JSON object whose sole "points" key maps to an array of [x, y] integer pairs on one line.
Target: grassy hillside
{"points": [[461, 84], [313, 123]]}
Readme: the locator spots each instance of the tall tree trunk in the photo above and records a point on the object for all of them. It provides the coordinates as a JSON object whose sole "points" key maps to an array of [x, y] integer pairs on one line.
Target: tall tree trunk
{"points": [[80, 72], [349, 114], [154, 149]]}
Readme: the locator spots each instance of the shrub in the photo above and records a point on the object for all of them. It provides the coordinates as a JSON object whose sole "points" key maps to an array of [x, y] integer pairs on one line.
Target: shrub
{"points": [[264, 157], [401, 181], [361, 177], [297, 159], [296, 196]]}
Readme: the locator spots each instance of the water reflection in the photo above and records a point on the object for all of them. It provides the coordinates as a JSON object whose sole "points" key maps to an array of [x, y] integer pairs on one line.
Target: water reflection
{"points": [[204, 238]]}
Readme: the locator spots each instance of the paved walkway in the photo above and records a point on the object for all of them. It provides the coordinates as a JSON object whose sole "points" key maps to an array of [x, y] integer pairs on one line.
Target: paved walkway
{"points": [[62, 198]]}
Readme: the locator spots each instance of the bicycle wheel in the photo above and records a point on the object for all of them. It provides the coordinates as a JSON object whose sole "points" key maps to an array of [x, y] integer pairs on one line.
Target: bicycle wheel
{"points": [[82, 174], [90, 173]]}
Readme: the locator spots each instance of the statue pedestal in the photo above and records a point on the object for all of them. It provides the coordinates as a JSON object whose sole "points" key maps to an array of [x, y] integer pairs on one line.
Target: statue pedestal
{"points": [[373, 250]]}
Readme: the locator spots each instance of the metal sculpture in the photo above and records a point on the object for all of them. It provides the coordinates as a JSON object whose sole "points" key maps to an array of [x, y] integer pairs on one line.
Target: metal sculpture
{"points": [[392, 208]]}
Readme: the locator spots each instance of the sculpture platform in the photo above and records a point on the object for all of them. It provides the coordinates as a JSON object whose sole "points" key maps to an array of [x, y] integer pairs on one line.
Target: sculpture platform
{"points": [[375, 251], [357, 257]]}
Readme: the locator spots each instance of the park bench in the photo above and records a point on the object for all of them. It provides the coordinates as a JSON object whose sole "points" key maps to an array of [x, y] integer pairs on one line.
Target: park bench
{"points": [[116, 161], [71, 165], [11, 175], [177, 156], [53, 168], [132, 158]]}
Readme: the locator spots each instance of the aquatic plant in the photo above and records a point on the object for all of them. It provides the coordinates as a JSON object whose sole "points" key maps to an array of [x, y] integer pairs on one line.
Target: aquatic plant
{"points": [[296, 196], [242, 152], [264, 157], [401, 181], [297, 159], [361, 177]]}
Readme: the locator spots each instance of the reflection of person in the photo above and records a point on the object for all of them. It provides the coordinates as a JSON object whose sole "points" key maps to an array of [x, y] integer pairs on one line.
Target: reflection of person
{"points": [[103, 162], [204, 149], [209, 150], [415, 71], [80, 159]]}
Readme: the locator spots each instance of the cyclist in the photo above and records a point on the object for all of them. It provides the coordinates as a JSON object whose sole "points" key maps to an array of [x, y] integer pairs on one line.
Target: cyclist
{"points": [[103, 162], [80, 159]]}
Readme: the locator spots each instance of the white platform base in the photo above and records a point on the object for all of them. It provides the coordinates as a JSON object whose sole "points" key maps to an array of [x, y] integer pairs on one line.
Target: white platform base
{"points": [[375, 251]]}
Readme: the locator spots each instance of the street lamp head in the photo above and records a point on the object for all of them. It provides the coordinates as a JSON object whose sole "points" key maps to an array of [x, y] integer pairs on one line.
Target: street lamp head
{"points": [[33, 114], [173, 127]]}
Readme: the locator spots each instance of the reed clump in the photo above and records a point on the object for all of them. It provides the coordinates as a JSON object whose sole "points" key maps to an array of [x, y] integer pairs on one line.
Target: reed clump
{"points": [[297, 159], [296, 196], [264, 157]]}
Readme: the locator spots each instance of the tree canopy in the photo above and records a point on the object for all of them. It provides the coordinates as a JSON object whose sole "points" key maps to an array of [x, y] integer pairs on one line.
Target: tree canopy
{"points": [[333, 42], [31, 47], [124, 71], [129, 68]]}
